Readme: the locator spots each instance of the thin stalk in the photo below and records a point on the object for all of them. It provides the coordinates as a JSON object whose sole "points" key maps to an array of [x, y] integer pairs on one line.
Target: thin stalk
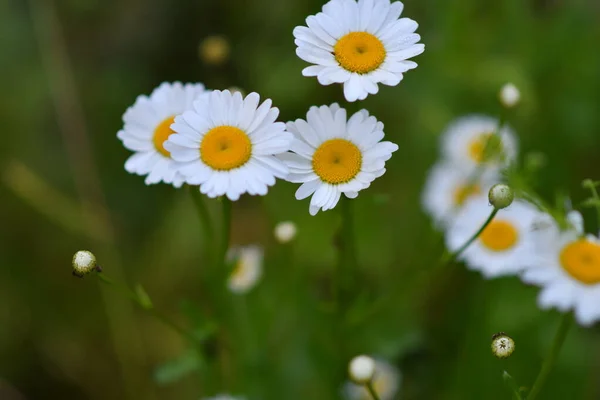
{"points": [[225, 233], [151, 310], [371, 389], [205, 221], [454, 255], [347, 261], [548, 363]]}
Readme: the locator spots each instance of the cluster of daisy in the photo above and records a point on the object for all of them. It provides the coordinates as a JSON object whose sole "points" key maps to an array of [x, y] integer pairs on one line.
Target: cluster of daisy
{"points": [[521, 239]]}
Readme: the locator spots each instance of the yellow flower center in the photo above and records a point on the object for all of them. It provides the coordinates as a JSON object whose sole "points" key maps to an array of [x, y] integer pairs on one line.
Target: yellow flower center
{"points": [[499, 235], [359, 52], [581, 259], [225, 147], [337, 161], [463, 192], [161, 134], [485, 146]]}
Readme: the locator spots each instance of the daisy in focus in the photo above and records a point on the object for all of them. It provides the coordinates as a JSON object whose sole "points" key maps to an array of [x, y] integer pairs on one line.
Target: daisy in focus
{"points": [[227, 144], [147, 125], [333, 155], [505, 246], [567, 268], [386, 382], [247, 270], [472, 140], [359, 44], [448, 188]]}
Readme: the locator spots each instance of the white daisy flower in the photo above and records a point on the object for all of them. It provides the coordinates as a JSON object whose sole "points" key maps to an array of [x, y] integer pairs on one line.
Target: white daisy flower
{"points": [[472, 139], [505, 245], [226, 144], [359, 44], [147, 125], [567, 267], [247, 270], [386, 382], [333, 155], [448, 188]]}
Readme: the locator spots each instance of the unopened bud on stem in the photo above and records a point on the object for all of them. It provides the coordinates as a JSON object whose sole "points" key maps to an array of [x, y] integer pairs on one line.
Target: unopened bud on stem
{"points": [[501, 196], [84, 262], [502, 345], [509, 95], [362, 369]]}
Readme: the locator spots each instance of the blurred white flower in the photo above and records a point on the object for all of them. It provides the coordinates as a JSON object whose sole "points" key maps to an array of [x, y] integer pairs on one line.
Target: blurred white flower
{"points": [[334, 155], [285, 231], [386, 382], [505, 246], [226, 144], [567, 268], [359, 44], [247, 270], [471, 140], [509, 95], [448, 187], [147, 125], [361, 369]]}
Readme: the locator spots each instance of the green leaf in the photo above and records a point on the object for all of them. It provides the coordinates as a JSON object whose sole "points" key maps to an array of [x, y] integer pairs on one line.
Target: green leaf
{"points": [[510, 382], [177, 369]]}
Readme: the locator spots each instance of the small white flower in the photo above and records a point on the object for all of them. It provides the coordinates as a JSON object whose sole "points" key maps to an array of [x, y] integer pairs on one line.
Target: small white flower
{"points": [[361, 369], [147, 125], [502, 345], [333, 155], [505, 246], [386, 382], [449, 187], [509, 95], [285, 231], [84, 262], [567, 268], [247, 270], [226, 144], [472, 139], [359, 44]]}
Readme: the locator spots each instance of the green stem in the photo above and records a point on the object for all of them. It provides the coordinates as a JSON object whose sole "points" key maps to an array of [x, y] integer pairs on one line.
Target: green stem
{"points": [[454, 255], [347, 262], [161, 317], [371, 389], [548, 363], [225, 234], [597, 198], [205, 221]]}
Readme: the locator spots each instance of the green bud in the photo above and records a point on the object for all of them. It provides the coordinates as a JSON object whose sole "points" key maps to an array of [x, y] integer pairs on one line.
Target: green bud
{"points": [[501, 196]]}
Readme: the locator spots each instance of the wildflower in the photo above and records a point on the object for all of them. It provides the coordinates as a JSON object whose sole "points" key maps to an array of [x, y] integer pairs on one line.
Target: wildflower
{"points": [[214, 50], [333, 155], [359, 44], [226, 144], [247, 270], [504, 247], [509, 95], [285, 231], [567, 268], [361, 369], [501, 196], [472, 140], [502, 345], [386, 383], [84, 262], [449, 187], [147, 127]]}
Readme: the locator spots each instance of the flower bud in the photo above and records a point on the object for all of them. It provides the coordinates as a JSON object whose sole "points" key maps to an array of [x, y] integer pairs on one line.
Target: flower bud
{"points": [[501, 196], [285, 231], [84, 262], [509, 95], [362, 369], [502, 345]]}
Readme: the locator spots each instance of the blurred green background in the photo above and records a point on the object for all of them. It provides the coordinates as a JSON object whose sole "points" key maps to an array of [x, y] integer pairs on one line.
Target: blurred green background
{"points": [[70, 68]]}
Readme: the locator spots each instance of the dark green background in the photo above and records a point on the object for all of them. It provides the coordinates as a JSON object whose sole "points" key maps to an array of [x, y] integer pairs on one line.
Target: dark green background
{"points": [[70, 68]]}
